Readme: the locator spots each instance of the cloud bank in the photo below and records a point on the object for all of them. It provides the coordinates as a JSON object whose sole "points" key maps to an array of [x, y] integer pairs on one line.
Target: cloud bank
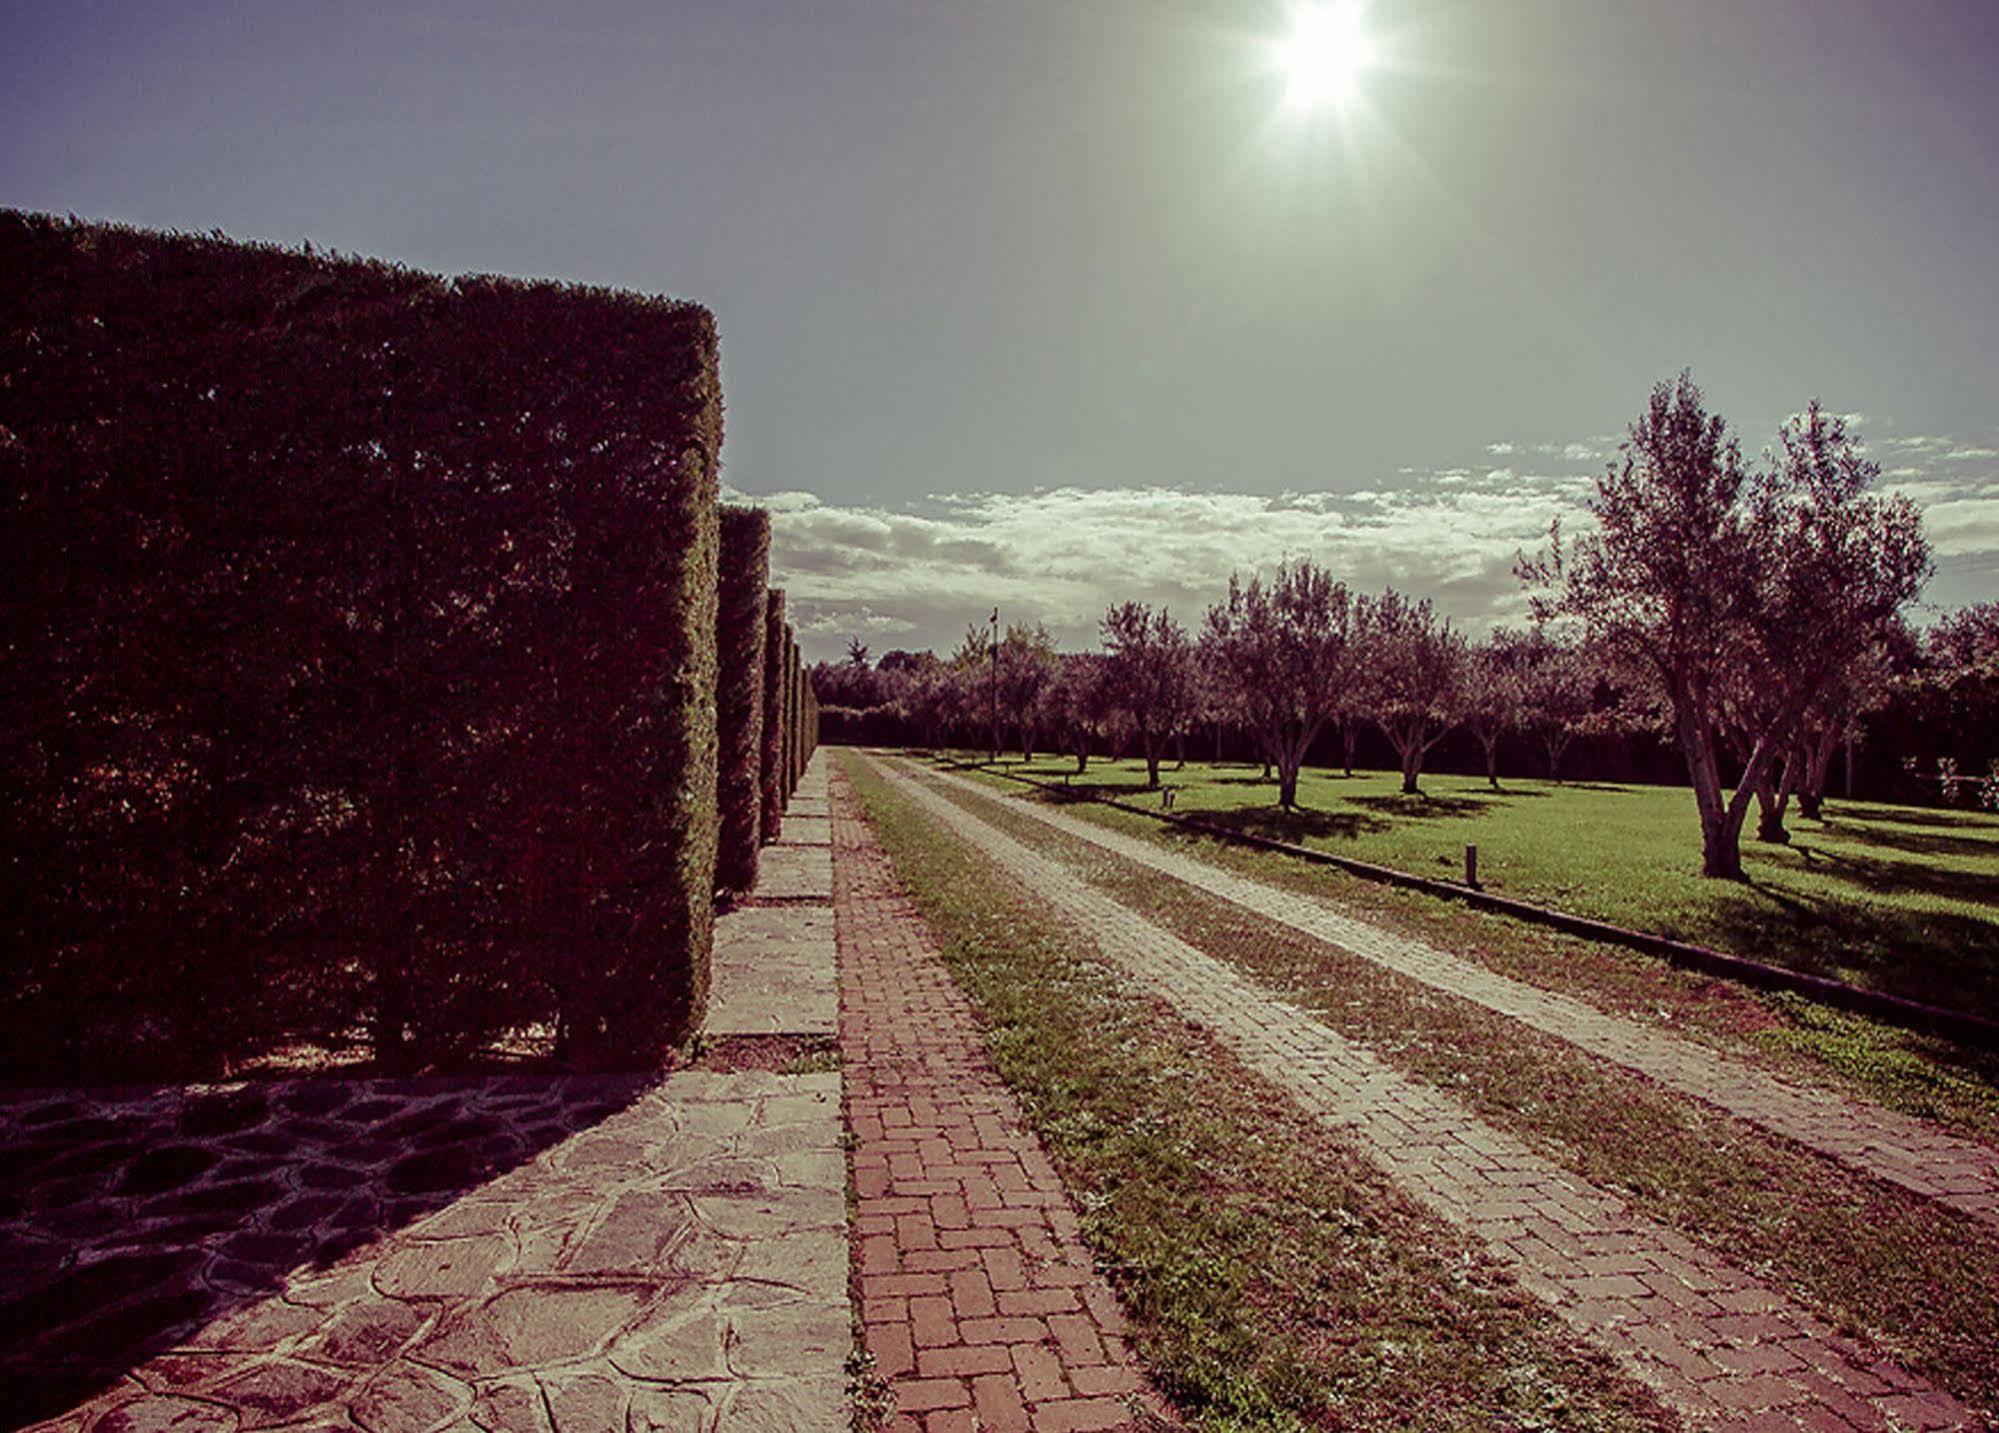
{"points": [[916, 575]]}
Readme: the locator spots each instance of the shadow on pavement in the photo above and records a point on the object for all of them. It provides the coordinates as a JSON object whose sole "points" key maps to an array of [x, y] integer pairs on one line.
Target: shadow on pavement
{"points": [[131, 1218]]}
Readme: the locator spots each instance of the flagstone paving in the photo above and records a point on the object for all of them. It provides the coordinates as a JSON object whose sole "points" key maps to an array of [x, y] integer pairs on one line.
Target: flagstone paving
{"points": [[1883, 1143], [795, 873], [775, 970], [978, 1301], [312, 1252], [1719, 1345], [529, 1252]]}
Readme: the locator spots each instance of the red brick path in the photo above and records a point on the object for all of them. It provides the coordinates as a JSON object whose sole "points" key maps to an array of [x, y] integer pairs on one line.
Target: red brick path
{"points": [[977, 1298]]}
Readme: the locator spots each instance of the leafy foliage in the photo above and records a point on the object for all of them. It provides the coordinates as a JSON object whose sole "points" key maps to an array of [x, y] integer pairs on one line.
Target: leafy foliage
{"points": [[1285, 648], [359, 663], [740, 633]]}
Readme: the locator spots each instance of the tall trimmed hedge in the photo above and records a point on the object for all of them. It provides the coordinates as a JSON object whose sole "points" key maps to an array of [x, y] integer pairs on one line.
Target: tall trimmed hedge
{"points": [[774, 716], [739, 694], [794, 674], [359, 667]]}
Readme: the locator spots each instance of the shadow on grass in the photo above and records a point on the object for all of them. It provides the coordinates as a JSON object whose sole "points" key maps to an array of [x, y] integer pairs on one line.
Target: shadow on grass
{"points": [[1300, 824], [1915, 841], [1425, 806], [131, 1219], [1938, 957], [1886, 876], [1844, 814]]}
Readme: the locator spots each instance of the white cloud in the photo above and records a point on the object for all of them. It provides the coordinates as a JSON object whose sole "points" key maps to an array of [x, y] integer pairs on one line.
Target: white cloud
{"points": [[1062, 555], [916, 575], [1963, 527]]}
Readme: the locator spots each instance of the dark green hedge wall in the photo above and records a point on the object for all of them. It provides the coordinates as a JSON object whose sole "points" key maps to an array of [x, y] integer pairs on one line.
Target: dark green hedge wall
{"points": [[359, 666], [793, 702], [772, 775], [739, 695]]}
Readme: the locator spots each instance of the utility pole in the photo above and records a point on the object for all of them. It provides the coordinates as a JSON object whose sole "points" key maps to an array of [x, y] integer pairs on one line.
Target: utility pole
{"points": [[995, 653]]}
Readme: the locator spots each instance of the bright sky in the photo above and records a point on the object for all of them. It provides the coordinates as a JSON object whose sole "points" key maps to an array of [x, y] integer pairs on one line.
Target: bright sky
{"points": [[1050, 302]]}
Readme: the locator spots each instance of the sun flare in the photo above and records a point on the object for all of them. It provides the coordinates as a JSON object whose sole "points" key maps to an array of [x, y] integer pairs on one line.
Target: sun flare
{"points": [[1323, 56]]}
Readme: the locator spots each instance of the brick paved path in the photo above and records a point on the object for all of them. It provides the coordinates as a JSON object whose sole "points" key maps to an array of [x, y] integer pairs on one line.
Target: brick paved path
{"points": [[1898, 1148], [1715, 1342], [977, 1298]]}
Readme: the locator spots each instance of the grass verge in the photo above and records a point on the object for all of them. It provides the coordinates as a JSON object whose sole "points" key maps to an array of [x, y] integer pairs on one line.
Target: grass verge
{"points": [[1916, 1278], [1275, 1279], [1916, 1073]]}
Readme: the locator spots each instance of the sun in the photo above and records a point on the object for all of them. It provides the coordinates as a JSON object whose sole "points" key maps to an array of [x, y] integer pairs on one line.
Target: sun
{"points": [[1323, 56]]}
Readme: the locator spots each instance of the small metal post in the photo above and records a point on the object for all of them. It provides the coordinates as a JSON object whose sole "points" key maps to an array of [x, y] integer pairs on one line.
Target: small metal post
{"points": [[1471, 867]]}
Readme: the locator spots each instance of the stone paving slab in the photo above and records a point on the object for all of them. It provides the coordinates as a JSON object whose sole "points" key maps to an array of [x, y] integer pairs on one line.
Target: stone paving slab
{"points": [[803, 830], [794, 873], [319, 1253], [775, 972], [1885, 1144], [977, 1298], [1720, 1346]]}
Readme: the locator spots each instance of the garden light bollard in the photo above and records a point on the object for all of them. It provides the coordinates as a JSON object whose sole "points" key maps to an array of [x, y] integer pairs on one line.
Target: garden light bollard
{"points": [[1471, 867]]}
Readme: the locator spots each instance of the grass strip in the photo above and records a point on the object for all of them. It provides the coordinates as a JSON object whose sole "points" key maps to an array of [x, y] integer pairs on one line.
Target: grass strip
{"points": [[1921, 1074], [1915, 1277], [1274, 1277]]}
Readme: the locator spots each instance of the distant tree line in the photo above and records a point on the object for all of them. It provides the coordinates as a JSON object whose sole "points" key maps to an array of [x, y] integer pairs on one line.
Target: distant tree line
{"points": [[1751, 616]]}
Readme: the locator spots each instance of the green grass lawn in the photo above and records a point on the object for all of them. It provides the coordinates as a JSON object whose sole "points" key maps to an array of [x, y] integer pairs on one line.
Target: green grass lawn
{"points": [[1899, 898]]}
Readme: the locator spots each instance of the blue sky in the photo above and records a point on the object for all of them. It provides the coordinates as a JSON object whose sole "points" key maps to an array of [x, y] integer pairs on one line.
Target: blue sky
{"points": [[1053, 303]]}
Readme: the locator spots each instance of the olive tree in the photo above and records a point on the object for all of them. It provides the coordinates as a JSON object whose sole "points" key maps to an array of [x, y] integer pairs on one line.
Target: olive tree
{"points": [[1739, 595], [1286, 648], [1151, 677], [1417, 671]]}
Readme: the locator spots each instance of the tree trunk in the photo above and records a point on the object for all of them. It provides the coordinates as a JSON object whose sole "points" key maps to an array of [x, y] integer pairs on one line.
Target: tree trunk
{"points": [[1291, 747], [1149, 744], [1412, 767], [1721, 819], [1287, 785], [1811, 795], [1721, 852], [1350, 735], [1180, 750], [1491, 760], [1557, 745], [1770, 815], [1774, 801], [1082, 757]]}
